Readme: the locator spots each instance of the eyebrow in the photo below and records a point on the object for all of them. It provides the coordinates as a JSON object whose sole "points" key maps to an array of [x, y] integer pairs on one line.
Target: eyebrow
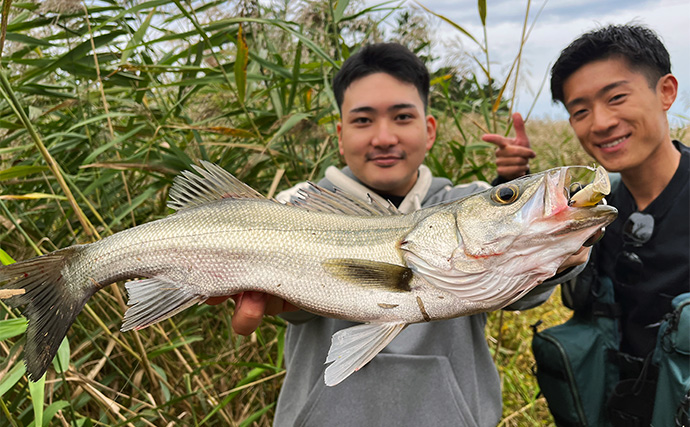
{"points": [[368, 109], [599, 93]]}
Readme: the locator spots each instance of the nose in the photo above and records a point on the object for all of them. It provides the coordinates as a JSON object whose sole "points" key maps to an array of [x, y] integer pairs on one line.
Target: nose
{"points": [[603, 120], [384, 136]]}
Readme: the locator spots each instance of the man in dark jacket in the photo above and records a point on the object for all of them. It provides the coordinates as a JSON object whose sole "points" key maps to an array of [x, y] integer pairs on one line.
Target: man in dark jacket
{"points": [[617, 86]]}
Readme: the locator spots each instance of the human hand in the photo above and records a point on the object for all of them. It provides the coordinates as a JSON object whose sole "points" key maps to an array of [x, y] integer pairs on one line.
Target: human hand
{"points": [[579, 257], [582, 255], [512, 154], [250, 308]]}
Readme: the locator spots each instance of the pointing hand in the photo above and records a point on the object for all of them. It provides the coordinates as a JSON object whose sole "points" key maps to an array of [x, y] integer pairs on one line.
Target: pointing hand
{"points": [[512, 154]]}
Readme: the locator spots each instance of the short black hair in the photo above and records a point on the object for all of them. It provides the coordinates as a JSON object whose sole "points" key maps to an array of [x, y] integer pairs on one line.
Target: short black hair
{"points": [[390, 58], [639, 46]]}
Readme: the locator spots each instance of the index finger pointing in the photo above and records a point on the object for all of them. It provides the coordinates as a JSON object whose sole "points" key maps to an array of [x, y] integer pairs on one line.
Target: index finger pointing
{"points": [[498, 140], [521, 137]]}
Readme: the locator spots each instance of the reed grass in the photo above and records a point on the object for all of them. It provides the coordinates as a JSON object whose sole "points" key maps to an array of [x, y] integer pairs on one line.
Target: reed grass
{"points": [[103, 103]]}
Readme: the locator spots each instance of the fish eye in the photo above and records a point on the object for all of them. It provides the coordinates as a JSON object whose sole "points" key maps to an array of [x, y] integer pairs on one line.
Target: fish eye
{"points": [[505, 194]]}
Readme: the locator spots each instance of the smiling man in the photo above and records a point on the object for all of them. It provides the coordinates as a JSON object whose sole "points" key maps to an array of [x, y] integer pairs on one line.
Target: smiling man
{"points": [[617, 87], [438, 373], [619, 116], [385, 133]]}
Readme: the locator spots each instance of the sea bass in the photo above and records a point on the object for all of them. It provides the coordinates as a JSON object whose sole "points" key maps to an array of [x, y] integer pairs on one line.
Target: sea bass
{"points": [[328, 253]]}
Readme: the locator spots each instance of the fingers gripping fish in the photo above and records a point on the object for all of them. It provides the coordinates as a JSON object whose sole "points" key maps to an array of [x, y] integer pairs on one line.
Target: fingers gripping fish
{"points": [[328, 253]]}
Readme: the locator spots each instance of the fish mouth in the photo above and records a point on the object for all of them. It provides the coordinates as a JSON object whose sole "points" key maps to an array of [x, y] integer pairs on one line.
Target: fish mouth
{"points": [[593, 193], [563, 188], [589, 217], [586, 206]]}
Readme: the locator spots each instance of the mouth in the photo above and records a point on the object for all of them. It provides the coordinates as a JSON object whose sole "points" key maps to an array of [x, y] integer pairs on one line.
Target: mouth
{"points": [[386, 159], [588, 208], [594, 192], [616, 142], [593, 222]]}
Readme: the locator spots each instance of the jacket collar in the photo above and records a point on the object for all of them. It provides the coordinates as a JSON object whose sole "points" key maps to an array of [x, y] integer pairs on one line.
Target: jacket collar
{"points": [[346, 181]]}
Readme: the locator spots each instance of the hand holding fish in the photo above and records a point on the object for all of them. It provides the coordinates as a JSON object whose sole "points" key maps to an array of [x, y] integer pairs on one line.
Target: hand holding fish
{"points": [[251, 307], [578, 258], [512, 154]]}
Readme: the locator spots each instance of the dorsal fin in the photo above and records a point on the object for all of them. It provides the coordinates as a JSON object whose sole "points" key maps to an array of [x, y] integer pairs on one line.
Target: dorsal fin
{"points": [[215, 183], [319, 199]]}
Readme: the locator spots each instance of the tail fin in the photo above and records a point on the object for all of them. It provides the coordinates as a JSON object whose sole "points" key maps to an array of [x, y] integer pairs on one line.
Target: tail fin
{"points": [[52, 301]]}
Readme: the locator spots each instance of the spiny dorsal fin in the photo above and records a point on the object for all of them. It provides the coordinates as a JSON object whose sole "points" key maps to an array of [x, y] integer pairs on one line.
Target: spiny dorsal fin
{"points": [[215, 183], [370, 274], [319, 199]]}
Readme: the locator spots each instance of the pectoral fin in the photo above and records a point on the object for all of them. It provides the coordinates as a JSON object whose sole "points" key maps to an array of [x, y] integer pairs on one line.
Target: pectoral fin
{"points": [[354, 347], [372, 274]]}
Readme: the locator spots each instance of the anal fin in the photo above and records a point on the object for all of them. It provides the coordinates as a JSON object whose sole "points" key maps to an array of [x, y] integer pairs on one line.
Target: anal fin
{"points": [[155, 299], [354, 347]]}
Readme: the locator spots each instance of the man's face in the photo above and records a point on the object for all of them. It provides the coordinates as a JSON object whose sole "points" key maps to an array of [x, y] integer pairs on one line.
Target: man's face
{"points": [[618, 118], [384, 134]]}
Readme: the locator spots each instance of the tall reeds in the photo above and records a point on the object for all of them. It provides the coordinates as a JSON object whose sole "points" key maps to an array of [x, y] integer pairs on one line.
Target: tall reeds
{"points": [[103, 103]]}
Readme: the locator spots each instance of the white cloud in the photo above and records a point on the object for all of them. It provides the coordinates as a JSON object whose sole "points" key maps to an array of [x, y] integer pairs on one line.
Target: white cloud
{"points": [[560, 23]]}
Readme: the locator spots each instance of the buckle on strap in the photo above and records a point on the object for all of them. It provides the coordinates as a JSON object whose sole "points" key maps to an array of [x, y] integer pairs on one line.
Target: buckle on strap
{"points": [[606, 310]]}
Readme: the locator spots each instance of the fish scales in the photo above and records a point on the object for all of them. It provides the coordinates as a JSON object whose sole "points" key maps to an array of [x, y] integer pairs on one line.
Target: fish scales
{"points": [[329, 254], [242, 247]]}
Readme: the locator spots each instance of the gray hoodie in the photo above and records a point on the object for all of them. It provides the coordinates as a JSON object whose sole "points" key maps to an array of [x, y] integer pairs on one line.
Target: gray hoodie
{"points": [[432, 374]]}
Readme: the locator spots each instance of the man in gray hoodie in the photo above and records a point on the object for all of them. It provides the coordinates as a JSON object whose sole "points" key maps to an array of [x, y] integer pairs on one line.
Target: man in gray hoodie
{"points": [[433, 374]]}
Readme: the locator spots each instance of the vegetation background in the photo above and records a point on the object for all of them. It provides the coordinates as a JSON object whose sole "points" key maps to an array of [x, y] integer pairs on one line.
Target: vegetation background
{"points": [[103, 103]]}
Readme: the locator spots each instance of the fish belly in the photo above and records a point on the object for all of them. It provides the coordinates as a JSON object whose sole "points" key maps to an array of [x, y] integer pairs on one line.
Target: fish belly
{"points": [[222, 249]]}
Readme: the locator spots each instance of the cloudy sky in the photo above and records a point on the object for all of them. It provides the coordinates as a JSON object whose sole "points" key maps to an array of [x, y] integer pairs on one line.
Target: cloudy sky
{"points": [[560, 22]]}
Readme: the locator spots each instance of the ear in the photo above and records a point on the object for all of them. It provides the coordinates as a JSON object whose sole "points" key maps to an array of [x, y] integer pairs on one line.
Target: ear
{"points": [[667, 89], [430, 131], [339, 132]]}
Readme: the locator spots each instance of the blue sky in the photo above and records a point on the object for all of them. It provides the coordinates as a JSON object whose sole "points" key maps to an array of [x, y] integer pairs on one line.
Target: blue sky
{"points": [[560, 22]]}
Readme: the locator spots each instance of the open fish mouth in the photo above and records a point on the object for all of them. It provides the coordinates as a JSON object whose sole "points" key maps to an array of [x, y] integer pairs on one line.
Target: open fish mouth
{"points": [[576, 192], [591, 194], [564, 191], [587, 206]]}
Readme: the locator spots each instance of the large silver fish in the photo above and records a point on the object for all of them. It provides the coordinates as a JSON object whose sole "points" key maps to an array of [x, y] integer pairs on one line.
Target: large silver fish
{"points": [[328, 253]]}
